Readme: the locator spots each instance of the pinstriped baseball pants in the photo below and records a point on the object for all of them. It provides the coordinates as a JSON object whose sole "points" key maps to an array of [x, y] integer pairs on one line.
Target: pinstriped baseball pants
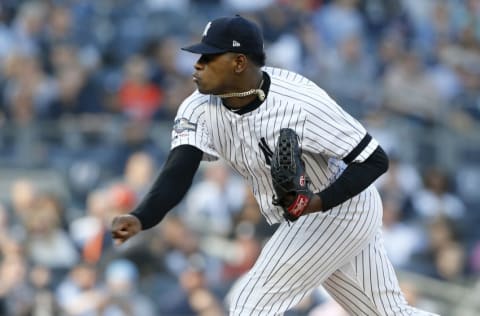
{"points": [[341, 250]]}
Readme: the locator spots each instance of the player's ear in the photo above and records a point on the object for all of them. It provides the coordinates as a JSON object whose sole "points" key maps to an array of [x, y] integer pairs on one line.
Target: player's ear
{"points": [[240, 62]]}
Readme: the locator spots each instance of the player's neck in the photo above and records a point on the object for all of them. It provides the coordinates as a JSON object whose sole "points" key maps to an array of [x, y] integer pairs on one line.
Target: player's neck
{"points": [[246, 84], [238, 103]]}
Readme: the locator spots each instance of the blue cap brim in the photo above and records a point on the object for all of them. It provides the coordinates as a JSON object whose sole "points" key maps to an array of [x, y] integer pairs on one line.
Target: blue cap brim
{"points": [[202, 48]]}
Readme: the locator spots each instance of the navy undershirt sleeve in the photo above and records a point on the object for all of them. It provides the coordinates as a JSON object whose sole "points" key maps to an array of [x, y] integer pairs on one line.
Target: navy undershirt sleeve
{"points": [[354, 179], [170, 186]]}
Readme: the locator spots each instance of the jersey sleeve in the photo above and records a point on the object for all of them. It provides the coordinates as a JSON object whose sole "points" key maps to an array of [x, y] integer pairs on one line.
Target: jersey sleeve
{"points": [[191, 128], [331, 131]]}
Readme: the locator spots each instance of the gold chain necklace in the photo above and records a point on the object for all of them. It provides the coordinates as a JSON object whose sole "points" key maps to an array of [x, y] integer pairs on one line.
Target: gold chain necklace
{"points": [[259, 92]]}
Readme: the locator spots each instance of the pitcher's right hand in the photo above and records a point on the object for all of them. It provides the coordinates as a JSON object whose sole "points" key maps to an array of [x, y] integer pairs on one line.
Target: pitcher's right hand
{"points": [[124, 227]]}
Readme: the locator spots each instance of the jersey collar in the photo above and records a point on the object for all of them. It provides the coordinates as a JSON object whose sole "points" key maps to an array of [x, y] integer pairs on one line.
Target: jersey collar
{"points": [[255, 103]]}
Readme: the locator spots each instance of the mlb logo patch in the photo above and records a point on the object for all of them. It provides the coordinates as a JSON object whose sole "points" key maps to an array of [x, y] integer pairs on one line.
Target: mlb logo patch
{"points": [[182, 124]]}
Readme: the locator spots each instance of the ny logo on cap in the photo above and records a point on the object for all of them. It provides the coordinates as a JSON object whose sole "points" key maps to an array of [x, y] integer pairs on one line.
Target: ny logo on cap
{"points": [[235, 44], [205, 31]]}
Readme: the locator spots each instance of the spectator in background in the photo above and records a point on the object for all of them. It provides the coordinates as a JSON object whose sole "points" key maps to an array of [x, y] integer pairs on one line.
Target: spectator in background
{"points": [[281, 26], [179, 88], [139, 99], [399, 184], [246, 249], [313, 50], [59, 24], [76, 95], [286, 52], [211, 203], [6, 37], [62, 28], [450, 262], [401, 180], [250, 213], [183, 247], [46, 236], [28, 26], [466, 105], [236, 254], [390, 49], [181, 244], [79, 293], [139, 172], [165, 61], [443, 257], [380, 16], [29, 90], [436, 198], [134, 136], [338, 20], [410, 92], [77, 90], [170, 74], [43, 298], [88, 231], [349, 75], [15, 293], [401, 240], [23, 193], [122, 296], [193, 296]]}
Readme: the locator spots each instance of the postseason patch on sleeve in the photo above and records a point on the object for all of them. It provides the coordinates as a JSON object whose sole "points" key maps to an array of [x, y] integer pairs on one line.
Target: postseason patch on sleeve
{"points": [[182, 124]]}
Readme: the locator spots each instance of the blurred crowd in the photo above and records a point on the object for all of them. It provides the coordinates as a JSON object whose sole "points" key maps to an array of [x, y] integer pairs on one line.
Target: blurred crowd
{"points": [[88, 92]]}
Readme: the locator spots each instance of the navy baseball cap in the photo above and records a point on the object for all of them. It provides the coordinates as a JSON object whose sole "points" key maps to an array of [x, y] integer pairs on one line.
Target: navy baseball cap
{"points": [[229, 34]]}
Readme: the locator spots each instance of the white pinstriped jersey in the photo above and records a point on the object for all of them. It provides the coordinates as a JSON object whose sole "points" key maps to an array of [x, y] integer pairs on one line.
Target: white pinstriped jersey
{"points": [[340, 249], [327, 133]]}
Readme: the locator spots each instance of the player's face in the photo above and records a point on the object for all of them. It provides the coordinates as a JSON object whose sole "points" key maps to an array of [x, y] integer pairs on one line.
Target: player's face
{"points": [[213, 73]]}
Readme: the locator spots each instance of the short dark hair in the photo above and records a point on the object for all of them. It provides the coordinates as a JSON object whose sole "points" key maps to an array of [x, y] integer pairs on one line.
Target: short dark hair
{"points": [[258, 59]]}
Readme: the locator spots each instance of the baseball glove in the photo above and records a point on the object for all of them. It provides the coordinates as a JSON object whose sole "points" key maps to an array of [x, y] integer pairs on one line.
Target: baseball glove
{"points": [[288, 176]]}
